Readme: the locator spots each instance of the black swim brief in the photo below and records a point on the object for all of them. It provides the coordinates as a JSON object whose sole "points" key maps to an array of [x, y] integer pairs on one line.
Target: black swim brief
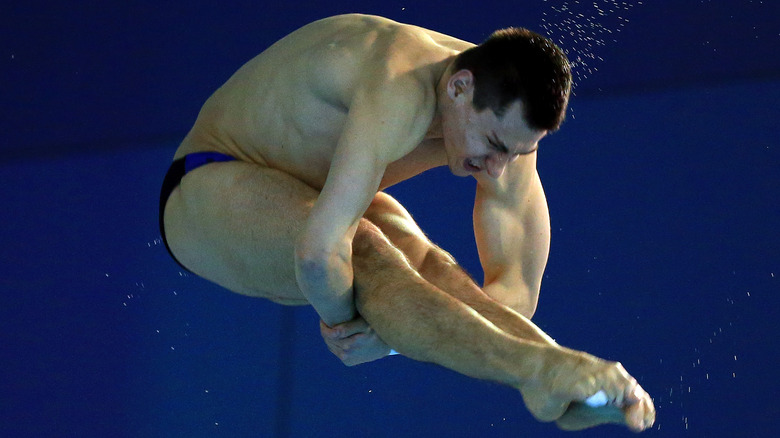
{"points": [[176, 172]]}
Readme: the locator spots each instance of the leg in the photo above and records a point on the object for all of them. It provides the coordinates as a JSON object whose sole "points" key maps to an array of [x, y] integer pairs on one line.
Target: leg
{"points": [[236, 223], [440, 269], [426, 324]]}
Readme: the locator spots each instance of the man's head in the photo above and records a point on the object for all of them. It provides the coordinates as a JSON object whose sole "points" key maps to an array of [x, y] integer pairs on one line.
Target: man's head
{"points": [[502, 97], [514, 64]]}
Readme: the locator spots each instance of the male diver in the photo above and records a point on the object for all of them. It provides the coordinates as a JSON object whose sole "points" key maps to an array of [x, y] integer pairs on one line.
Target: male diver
{"points": [[277, 192]]}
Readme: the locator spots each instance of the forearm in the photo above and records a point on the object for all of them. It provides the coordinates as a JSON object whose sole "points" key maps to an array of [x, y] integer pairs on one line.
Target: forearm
{"points": [[325, 279]]}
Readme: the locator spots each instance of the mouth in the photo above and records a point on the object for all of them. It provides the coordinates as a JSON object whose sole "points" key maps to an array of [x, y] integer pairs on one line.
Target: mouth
{"points": [[471, 165]]}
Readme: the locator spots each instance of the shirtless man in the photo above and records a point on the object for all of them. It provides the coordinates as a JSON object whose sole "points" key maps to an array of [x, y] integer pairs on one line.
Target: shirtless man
{"points": [[276, 192]]}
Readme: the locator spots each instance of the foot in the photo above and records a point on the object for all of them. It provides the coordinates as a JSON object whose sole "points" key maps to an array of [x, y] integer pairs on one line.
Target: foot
{"points": [[569, 377]]}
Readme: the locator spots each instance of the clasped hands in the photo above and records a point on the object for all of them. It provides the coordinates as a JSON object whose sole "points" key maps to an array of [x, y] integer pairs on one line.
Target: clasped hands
{"points": [[354, 342]]}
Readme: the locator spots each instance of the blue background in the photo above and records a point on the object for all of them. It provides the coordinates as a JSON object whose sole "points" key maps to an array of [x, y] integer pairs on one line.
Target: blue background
{"points": [[662, 185]]}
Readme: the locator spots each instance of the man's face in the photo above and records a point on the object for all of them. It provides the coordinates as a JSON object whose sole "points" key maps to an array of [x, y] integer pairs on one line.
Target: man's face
{"points": [[481, 142]]}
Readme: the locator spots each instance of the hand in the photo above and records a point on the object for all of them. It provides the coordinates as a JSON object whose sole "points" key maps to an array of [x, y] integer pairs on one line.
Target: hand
{"points": [[354, 342], [569, 377]]}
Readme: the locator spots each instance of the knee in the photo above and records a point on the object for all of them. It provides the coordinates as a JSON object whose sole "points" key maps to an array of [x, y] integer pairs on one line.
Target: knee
{"points": [[372, 251], [370, 262], [436, 260], [368, 239], [398, 230]]}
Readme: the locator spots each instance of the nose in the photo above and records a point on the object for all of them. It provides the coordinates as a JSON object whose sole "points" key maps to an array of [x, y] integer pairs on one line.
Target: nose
{"points": [[496, 164]]}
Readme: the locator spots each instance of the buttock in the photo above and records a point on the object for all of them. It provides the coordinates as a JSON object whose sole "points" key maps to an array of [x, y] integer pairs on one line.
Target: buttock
{"points": [[176, 172]]}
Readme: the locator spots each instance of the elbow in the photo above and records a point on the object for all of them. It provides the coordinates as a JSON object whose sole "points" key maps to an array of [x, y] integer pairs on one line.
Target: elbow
{"points": [[325, 285], [314, 253], [520, 303], [520, 298], [321, 273], [527, 301], [307, 259], [311, 266], [525, 309]]}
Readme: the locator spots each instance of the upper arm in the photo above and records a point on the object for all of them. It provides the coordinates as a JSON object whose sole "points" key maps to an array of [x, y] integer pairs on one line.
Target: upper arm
{"points": [[512, 229], [383, 124]]}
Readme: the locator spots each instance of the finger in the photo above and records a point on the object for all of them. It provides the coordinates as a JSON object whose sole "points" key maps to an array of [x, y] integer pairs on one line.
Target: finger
{"points": [[335, 349], [344, 329], [349, 328], [329, 332], [350, 343]]}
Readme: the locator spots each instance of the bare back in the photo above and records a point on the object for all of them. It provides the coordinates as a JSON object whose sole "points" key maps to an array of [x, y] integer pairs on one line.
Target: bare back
{"points": [[287, 107]]}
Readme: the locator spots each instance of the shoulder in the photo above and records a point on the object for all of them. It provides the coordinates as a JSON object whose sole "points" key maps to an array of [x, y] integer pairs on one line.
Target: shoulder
{"points": [[395, 87], [392, 114]]}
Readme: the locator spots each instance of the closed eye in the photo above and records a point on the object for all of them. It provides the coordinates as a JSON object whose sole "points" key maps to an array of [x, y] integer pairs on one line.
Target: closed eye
{"points": [[498, 145], [501, 147]]}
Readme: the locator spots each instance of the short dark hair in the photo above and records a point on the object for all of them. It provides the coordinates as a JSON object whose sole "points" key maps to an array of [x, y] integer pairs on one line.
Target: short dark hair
{"points": [[516, 63]]}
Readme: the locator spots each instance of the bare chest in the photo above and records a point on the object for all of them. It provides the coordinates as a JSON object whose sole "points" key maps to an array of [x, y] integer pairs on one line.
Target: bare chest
{"points": [[311, 163]]}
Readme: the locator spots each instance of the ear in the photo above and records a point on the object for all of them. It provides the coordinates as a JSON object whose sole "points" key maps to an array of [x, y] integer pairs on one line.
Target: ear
{"points": [[460, 84]]}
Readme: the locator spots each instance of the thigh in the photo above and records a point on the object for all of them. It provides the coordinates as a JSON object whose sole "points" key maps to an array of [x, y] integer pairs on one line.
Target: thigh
{"points": [[236, 224]]}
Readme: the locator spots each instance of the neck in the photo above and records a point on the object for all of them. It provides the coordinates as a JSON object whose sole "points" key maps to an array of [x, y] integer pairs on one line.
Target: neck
{"points": [[442, 71]]}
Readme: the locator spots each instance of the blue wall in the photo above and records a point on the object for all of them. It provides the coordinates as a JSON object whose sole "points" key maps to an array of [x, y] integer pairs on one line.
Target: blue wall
{"points": [[662, 187]]}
